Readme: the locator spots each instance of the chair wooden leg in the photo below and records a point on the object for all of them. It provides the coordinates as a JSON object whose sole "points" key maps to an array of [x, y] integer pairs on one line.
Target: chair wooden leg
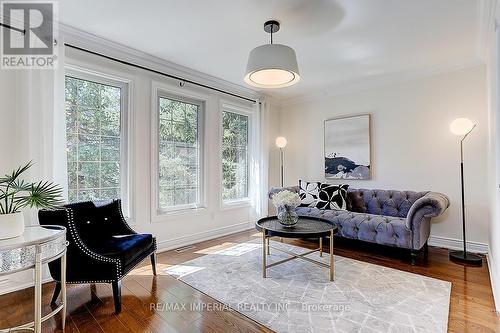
{"points": [[426, 251], [117, 295], [57, 290], [153, 262]]}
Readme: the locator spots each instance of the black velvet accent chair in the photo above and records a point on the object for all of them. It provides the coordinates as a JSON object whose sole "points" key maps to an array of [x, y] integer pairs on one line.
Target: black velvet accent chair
{"points": [[102, 247]]}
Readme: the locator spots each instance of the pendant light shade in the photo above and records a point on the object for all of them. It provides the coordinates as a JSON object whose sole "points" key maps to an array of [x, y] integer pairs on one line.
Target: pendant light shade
{"points": [[272, 65]]}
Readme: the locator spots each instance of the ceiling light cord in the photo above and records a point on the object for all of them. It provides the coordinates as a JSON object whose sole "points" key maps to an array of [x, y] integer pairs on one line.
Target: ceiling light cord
{"points": [[272, 29]]}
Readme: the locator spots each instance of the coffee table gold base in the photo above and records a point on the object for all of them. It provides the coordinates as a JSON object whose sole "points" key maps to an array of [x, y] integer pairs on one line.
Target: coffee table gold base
{"points": [[266, 250]]}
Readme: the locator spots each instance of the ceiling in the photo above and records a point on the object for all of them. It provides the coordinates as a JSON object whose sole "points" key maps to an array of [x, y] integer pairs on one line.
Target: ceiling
{"points": [[338, 42]]}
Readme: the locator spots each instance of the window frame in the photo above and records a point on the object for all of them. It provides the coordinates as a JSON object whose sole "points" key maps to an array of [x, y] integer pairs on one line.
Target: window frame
{"points": [[85, 74], [248, 112], [161, 90]]}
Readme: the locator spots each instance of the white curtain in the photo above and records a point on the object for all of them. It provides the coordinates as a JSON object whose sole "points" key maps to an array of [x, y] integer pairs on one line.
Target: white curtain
{"points": [[261, 159], [41, 124]]}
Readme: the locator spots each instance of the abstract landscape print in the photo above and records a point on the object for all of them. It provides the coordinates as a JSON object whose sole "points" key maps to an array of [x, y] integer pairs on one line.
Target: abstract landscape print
{"points": [[347, 147]]}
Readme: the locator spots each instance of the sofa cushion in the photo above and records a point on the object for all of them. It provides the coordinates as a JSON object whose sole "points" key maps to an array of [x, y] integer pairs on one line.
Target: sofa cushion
{"points": [[372, 228], [308, 192], [387, 202], [332, 196]]}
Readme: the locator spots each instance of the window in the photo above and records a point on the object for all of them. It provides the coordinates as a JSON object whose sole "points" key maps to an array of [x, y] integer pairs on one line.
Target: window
{"points": [[235, 169], [95, 133], [179, 154]]}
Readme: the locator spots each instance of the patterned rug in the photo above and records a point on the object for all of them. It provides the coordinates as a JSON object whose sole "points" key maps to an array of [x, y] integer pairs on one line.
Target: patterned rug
{"points": [[297, 297]]}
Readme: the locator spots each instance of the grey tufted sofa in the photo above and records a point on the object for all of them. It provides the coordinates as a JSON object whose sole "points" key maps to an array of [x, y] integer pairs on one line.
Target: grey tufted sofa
{"points": [[394, 218]]}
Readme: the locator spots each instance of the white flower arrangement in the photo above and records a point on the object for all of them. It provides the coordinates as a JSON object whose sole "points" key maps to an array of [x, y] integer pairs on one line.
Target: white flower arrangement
{"points": [[286, 199]]}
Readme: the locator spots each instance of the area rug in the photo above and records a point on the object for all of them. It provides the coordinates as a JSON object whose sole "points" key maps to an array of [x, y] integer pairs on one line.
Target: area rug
{"points": [[297, 296]]}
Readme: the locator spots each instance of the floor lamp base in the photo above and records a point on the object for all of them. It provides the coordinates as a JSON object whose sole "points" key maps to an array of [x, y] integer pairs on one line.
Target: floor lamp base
{"points": [[466, 258]]}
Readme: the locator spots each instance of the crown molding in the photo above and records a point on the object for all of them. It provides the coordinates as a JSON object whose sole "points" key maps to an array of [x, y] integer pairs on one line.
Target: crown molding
{"points": [[366, 83], [486, 12], [98, 44]]}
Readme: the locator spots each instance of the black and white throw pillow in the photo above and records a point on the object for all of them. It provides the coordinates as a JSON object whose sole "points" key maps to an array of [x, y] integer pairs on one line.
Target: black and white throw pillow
{"points": [[308, 192], [332, 196]]}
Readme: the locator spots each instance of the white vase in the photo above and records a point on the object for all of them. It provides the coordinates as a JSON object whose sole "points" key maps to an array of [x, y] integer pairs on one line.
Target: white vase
{"points": [[11, 225]]}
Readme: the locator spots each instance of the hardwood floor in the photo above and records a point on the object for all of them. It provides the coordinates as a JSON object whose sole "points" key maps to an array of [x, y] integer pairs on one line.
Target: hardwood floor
{"points": [[90, 308]]}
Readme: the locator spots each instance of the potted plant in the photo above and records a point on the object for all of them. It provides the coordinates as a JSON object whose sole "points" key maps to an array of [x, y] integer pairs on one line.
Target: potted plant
{"points": [[286, 202], [16, 194]]}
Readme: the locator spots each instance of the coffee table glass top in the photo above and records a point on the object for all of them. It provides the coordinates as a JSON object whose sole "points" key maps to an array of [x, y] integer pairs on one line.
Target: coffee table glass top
{"points": [[305, 227]]}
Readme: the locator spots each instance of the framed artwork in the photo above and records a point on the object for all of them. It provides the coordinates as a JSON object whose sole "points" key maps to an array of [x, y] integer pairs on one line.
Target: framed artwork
{"points": [[347, 147]]}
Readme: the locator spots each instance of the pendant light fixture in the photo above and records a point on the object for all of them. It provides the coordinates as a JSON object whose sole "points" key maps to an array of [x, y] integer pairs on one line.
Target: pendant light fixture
{"points": [[272, 65]]}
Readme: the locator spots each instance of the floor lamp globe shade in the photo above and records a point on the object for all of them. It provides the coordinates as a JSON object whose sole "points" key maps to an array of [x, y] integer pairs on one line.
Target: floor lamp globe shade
{"points": [[272, 66], [461, 126], [281, 142]]}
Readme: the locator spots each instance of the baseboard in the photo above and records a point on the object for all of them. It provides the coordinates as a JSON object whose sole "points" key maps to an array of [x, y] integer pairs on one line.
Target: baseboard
{"points": [[493, 279], [457, 244], [175, 243]]}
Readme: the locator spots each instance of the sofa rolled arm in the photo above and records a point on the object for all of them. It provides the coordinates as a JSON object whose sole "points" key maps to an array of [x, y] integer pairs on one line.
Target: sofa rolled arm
{"points": [[430, 205], [277, 189]]}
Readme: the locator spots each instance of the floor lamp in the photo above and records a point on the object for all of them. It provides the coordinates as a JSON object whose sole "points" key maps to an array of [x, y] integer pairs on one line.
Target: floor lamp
{"points": [[462, 127], [281, 143]]}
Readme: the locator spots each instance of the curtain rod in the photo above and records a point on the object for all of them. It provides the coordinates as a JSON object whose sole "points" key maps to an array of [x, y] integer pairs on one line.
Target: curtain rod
{"points": [[13, 28], [160, 73]]}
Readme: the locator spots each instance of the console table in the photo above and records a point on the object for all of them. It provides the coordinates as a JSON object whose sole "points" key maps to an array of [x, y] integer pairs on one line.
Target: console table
{"points": [[35, 247]]}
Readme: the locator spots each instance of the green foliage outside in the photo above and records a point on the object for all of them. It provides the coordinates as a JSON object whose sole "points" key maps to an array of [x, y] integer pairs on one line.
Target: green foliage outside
{"points": [[234, 156], [178, 153], [93, 121]]}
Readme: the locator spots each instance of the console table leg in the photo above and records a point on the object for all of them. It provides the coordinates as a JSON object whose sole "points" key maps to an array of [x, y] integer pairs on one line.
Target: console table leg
{"points": [[38, 292], [331, 255], [63, 290], [264, 253], [268, 247]]}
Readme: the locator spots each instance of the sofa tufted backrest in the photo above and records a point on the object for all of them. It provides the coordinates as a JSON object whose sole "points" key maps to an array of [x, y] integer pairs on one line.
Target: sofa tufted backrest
{"points": [[383, 202]]}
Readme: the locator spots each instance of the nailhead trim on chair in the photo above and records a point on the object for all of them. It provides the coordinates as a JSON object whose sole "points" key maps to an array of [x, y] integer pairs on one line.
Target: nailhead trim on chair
{"points": [[123, 218], [85, 249]]}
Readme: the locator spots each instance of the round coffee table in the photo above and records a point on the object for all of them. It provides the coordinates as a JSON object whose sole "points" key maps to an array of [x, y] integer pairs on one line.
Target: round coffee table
{"points": [[306, 227]]}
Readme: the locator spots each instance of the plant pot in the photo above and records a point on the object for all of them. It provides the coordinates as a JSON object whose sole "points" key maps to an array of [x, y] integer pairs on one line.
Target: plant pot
{"points": [[11, 225]]}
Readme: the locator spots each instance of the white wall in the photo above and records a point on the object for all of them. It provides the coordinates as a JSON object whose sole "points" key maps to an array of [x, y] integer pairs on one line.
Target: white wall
{"points": [[493, 72], [411, 145]]}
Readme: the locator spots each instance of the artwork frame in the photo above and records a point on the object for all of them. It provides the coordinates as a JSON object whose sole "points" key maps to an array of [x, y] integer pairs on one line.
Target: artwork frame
{"points": [[347, 147]]}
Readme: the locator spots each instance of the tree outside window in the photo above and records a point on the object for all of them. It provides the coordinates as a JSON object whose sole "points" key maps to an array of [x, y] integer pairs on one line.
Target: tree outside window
{"points": [[235, 168], [93, 130], [179, 154]]}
